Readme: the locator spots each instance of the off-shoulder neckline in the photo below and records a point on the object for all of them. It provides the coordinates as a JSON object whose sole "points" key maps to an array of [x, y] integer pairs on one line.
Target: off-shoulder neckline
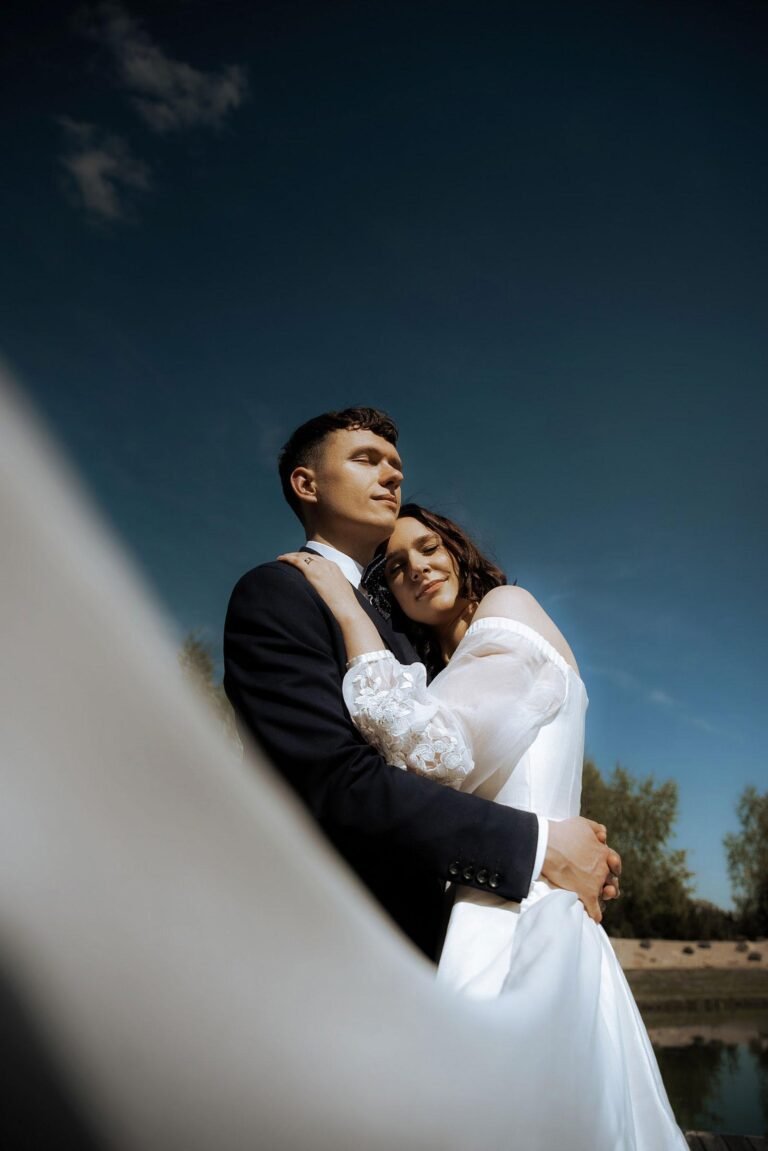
{"points": [[504, 622]]}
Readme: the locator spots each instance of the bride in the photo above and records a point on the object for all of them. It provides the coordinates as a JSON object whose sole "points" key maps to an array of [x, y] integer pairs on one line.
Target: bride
{"points": [[503, 717]]}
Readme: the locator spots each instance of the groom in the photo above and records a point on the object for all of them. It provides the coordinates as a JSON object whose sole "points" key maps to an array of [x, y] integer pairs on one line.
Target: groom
{"points": [[284, 661]]}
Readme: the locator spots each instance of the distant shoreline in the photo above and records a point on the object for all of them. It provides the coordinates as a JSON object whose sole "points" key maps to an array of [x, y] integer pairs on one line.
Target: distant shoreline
{"points": [[731, 1029], [672, 953], [667, 980]]}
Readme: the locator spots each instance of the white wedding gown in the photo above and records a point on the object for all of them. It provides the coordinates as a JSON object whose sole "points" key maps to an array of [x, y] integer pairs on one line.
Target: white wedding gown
{"points": [[505, 720]]}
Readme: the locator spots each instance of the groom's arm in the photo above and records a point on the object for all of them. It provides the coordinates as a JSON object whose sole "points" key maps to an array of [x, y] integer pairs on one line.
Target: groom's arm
{"points": [[283, 656]]}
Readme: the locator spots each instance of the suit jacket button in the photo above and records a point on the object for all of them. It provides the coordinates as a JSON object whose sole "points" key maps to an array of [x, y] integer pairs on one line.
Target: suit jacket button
{"points": [[454, 868], [495, 880], [468, 873], [482, 876]]}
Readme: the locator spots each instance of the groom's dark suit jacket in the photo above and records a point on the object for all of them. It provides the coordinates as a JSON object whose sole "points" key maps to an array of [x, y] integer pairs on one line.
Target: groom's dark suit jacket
{"points": [[404, 835]]}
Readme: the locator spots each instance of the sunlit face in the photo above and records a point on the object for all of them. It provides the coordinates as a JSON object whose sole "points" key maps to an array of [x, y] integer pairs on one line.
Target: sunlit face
{"points": [[357, 483], [422, 574]]}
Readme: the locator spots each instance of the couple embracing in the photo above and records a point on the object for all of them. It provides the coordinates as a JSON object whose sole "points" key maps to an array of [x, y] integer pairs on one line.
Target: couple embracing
{"points": [[434, 727]]}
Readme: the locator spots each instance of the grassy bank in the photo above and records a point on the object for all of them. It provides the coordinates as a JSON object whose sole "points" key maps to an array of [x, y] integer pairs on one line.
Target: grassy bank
{"points": [[699, 989]]}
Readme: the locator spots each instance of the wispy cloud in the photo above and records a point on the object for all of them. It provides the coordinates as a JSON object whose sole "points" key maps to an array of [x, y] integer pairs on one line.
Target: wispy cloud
{"points": [[168, 94], [618, 676], [267, 434], [101, 168], [581, 580], [654, 696], [559, 597], [705, 725]]}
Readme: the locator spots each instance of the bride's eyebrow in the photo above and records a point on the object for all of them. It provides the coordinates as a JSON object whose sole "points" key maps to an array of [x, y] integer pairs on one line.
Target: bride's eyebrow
{"points": [[393, 556], [417, 543]]}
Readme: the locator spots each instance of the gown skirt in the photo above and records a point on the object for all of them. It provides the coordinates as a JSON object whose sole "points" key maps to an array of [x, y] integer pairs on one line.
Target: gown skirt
{"points": [[505, 720]]}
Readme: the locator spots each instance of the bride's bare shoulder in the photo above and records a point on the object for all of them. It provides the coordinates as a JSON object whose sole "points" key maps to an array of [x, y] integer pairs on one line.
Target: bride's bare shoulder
{"points": [[511, 601], [518, 604]]}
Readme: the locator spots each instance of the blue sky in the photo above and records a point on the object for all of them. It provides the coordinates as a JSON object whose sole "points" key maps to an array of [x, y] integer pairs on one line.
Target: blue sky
{"points": [[536, 233]]}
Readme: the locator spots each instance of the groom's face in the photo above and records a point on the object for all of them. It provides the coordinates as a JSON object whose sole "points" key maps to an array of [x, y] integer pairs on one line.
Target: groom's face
{"points": [[357, 483]]}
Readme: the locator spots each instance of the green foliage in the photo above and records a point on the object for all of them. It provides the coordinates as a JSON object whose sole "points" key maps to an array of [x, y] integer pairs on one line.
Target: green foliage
{"points": [[655, 883], [197, 666], [747, 855], [708, 921]]}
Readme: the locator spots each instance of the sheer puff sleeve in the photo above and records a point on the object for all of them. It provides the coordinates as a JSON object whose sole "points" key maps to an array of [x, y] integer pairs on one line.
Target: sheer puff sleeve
{"points": [[390, 705], [504, 683]]}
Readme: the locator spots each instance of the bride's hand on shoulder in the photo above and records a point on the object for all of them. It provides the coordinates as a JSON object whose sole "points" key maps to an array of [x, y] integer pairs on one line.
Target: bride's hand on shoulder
{"points": [[337, 592], [327, 579]]}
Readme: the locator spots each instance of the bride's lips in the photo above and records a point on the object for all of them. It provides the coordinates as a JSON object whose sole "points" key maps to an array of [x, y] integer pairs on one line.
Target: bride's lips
{"points": [[430, 587]]}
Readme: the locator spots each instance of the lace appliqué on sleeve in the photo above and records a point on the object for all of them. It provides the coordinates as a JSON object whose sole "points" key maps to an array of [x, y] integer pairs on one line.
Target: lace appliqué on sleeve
{"points": [[392, 708]]}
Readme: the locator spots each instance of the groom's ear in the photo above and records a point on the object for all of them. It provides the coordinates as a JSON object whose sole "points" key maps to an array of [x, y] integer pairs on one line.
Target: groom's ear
{"points": [[304, 485]]}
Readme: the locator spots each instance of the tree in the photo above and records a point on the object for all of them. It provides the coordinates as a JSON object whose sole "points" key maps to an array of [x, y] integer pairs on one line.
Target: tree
{"points": [[708, 921], [655, 882], [197, 666], [747, 855]]}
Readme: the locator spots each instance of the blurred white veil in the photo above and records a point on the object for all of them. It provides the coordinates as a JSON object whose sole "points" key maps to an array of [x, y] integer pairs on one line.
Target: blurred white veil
{"points": [[204, 971]]}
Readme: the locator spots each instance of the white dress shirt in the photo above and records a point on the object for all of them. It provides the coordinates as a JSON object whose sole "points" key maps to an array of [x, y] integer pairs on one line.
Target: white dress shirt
{"points": [[354, 573], [351, 568]]}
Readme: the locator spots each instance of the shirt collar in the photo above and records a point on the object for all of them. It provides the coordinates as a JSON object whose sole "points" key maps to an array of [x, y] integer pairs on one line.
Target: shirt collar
{"points": [[351, 568]]}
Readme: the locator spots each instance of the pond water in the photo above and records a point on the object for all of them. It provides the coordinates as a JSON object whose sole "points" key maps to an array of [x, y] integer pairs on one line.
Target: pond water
{"points": [[715, 1069]]}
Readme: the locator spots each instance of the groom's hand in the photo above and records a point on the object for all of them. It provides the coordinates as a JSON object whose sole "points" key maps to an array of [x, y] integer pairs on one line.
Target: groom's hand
{"points": [[579, 859]]}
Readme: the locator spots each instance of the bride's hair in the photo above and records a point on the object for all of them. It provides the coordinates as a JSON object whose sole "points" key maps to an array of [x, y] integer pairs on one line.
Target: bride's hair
{"points": [[477, 575]]}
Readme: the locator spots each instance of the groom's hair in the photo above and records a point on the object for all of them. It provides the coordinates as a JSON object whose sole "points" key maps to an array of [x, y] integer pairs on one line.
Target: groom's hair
{"points": [[305, 446]]}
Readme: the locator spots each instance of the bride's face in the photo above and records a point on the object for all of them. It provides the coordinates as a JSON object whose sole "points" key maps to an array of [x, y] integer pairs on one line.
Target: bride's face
{"points": [[422, 574]]}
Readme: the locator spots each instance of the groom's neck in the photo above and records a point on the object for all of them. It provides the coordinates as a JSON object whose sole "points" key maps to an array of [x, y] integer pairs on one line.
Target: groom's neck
{"points": [[354, 547]]}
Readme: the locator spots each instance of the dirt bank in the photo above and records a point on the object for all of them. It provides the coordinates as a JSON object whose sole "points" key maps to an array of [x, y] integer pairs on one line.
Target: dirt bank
{"points": [[671, 953]]}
